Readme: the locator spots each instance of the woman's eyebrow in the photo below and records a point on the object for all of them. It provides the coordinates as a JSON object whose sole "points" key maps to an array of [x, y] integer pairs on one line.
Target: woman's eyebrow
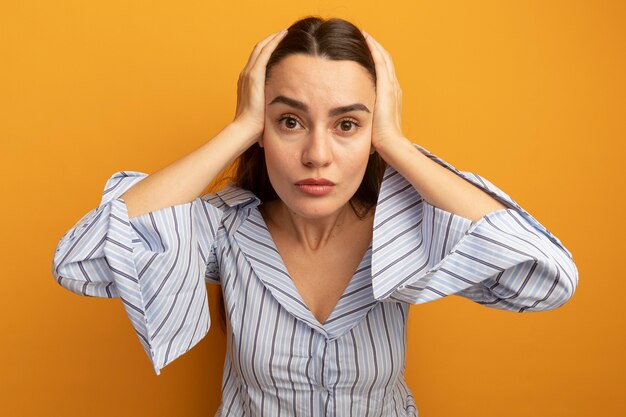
{"points": [[332, 112]]}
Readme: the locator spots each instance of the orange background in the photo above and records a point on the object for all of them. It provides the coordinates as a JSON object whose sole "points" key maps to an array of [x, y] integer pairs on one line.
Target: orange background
{"points": [[529, 94]]}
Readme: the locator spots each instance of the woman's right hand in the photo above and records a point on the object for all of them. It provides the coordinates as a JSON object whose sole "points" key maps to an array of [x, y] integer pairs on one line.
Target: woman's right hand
{"points": [[251, 86]]}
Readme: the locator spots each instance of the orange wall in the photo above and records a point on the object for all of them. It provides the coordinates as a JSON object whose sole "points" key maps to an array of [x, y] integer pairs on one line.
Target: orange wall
{"points": [[528, 94]]}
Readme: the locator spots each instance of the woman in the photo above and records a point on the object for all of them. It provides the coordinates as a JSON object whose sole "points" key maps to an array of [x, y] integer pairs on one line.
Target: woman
{"points": [[318, 254]]}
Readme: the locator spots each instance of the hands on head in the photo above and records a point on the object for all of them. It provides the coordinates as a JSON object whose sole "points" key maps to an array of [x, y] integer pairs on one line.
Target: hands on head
{"points": [[251, 84], [387, 117], [203, 165], [387, 124]]}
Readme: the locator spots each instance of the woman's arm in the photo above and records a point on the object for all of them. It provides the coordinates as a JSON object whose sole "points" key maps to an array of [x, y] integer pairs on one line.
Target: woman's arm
{"points": [[157, 261], [452, 236], [184, 179], [505, 260], [437, 185]]}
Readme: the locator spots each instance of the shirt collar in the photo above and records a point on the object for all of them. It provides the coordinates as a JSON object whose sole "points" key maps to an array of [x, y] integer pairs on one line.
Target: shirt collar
{"points": [[234, 196]]}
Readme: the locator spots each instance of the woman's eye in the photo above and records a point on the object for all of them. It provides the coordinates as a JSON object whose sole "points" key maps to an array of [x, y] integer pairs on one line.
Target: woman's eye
{"points": [[289, 122], [347, 124]]}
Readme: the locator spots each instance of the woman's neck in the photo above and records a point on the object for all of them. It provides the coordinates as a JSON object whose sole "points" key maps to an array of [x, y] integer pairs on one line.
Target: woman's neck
{"points": [[311, 234]]}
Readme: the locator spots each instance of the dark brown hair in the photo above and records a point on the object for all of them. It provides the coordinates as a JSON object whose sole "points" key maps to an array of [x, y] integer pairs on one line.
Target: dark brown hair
{"points": [[334, 39]]}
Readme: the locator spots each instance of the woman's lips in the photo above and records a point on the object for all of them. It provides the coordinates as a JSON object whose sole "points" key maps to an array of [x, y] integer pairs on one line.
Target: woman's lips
{"points": [[315, 186]]}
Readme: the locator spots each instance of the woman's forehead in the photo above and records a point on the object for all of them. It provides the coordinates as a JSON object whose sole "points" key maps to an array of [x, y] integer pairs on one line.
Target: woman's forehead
{"points": [[311, 79]]}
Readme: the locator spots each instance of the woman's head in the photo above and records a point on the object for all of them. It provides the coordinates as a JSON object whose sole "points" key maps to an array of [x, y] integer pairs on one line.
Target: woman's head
{"points": [[321, 65], [334, 39]]}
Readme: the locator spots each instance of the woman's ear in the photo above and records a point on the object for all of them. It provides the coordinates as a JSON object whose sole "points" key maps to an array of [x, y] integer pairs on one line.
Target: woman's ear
{"points": [[372, 150], [260, 141]]}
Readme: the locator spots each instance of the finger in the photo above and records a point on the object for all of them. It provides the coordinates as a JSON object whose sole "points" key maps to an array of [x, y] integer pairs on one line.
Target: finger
{"points": [[382, 67], [389, 66], [382, 58], [258, 48], [379, 62], [385, 57], [266, 51], [251, 59]]}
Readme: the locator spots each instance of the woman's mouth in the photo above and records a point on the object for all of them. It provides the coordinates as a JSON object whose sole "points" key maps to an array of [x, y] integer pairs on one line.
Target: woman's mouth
{"points": [[315, 186]]}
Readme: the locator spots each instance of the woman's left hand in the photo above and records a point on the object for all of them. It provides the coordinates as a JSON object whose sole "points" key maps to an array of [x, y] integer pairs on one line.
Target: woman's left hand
{"points": [[387, 118]]}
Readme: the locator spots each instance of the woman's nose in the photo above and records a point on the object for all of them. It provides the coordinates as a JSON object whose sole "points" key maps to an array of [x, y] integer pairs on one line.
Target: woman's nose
{"points": [[317, 151]]}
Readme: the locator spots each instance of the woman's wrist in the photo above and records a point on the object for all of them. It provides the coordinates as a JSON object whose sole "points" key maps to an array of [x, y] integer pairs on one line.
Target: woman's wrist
{"points": [[243, 133], [391, 149]]}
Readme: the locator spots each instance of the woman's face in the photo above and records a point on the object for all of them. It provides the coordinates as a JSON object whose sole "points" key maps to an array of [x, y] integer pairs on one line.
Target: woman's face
{"points": [[317, 137]]}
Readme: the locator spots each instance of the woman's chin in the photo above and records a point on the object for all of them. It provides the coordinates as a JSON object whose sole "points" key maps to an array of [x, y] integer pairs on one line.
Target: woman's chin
{"points": [[313, 209]]}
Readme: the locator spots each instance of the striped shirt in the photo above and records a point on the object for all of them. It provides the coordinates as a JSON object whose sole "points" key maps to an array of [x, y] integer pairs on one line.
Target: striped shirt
{"points": [[281, 361]]}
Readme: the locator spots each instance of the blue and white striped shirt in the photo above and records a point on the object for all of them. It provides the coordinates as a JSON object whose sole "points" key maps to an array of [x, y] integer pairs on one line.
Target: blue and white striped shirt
{"points": [[281, 361]]}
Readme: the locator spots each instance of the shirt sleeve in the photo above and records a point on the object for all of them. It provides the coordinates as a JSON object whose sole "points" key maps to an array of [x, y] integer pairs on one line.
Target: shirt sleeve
{"points": [[155, 263], [505, 260]]}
